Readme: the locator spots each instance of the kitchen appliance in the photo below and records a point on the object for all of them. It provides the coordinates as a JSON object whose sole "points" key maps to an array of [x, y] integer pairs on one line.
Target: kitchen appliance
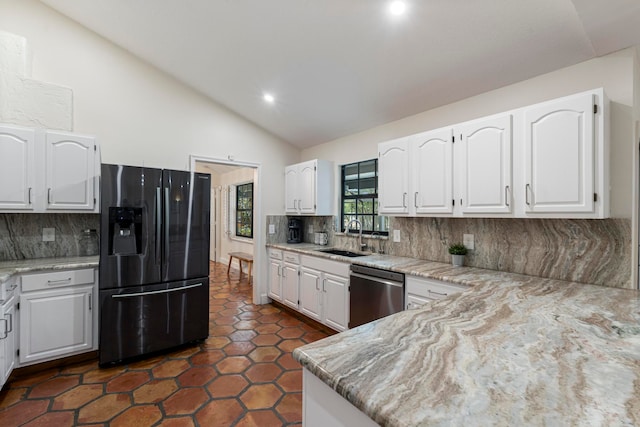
{"points": [[374, 293], [295, 231], [154, 260]]}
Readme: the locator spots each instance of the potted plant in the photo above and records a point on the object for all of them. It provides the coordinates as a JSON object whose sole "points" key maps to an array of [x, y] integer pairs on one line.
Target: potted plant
{"points": [[457, 251]]}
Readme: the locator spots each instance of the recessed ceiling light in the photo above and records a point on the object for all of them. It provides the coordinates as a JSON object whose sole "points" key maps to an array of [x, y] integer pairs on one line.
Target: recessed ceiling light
{"points": [[268, 98], [397, 7]]}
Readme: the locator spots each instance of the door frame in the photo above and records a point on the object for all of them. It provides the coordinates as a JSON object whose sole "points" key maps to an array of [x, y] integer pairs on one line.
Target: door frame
{"points": [[260, 267]]}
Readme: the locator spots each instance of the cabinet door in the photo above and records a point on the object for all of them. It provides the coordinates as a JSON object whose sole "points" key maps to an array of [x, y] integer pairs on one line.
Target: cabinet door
{"points": [[275, 282], [432, 172], [485, 165], [8, 343], [291, 189], [290, 281], [310, 293], [336, 301], [307, 187], [55, 323], [559, 157], [70, 171], [393, 177], [17, 168]]}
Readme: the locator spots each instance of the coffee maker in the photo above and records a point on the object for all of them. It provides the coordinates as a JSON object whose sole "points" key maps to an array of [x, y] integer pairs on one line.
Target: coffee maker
{"points": [[295, 230]]}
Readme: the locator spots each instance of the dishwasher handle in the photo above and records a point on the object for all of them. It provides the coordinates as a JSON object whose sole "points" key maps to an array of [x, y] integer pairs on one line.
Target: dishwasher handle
{"points": [[377, 280]]}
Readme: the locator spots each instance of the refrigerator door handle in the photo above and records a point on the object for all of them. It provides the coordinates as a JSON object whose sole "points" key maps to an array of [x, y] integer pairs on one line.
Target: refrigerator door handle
{"points": [[158, 221], [166, 226], [163, 291]]}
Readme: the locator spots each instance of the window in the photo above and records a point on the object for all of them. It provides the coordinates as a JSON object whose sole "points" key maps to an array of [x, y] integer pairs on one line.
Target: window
{"points": [[360, 197], [244, 210]]}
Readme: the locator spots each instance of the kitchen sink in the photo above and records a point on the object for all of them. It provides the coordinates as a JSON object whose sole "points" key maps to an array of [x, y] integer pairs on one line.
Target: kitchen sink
{"points": [[341, 252]]}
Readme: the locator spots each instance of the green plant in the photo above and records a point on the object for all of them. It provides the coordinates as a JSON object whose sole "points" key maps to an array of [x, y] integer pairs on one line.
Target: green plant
{"points": [[457, 249]]}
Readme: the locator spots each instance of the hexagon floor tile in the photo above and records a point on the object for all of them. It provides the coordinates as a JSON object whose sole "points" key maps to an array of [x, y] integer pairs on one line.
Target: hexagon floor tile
{"points": [[243, 374]]}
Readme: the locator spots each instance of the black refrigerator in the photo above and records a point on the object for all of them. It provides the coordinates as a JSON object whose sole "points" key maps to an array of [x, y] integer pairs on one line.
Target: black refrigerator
{"points": [[154, 260]]}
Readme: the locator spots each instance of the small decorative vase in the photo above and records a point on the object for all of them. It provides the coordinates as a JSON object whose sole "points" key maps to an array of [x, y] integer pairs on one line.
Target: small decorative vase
{"points": [[457, 260]]}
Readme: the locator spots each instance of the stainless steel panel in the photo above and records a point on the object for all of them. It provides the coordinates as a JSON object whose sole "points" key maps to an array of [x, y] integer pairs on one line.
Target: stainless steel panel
{"points": [[373, 298], [134, 187], [144, 319], [186, 225]]}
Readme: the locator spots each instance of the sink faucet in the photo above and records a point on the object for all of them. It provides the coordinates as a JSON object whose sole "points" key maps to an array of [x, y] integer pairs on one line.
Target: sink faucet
{"points": [[363, 246]]}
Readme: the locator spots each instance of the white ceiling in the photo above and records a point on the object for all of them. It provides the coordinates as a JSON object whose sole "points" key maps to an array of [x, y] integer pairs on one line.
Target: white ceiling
{"points": [[338, 67]]}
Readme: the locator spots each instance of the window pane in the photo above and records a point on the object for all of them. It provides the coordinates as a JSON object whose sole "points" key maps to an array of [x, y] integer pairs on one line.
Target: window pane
{"points": [[368, 169], [349, 207], [351, 188], [365, 206], [351, 171], [368, 186]]}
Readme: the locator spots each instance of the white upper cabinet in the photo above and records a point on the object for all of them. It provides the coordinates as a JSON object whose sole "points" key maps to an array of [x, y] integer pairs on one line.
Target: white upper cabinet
{"points": [[17, 167], [561, 154], [70, 171], [393, 176], [309, 188], [485, 165], [432, 172], [549, 160], [44, 171]]}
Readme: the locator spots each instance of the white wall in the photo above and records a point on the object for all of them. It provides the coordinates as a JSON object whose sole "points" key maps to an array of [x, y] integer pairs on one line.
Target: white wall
{"points": [[614, 72], [142, 116]]}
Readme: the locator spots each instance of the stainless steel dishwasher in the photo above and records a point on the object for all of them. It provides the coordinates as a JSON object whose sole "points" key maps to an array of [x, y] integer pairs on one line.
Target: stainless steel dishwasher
{"points": [[374, 293]]}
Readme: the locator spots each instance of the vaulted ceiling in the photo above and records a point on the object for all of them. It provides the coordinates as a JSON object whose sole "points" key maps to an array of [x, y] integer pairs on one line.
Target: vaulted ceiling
{"points": [[336, 67]]}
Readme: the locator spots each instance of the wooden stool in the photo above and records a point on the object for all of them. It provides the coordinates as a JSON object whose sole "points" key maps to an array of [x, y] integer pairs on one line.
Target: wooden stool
{"points": [[241, 256]]}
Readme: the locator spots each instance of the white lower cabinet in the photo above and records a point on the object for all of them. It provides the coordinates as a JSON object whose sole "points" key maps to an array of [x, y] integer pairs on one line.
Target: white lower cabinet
{"points": [[57, 315], [324, 291], [420, 291], [8, 328], [284, 277]]}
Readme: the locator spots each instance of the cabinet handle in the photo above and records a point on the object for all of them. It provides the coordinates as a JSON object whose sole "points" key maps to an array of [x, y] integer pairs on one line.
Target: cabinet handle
{"points": [[506, 195], [280, 271], [294, 204], [300, 204], [6, 334], [415, 199], [90, 298], [324, 282], [284, 270], [317, 288], [10, 322], [59, 282], [49, 195], [437, 293], [30, 194], [404, 202], [526, 194]]}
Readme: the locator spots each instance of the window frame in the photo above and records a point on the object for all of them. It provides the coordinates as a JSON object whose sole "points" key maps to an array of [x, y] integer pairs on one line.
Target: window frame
{"points": [[239, 211], [375, 215]]}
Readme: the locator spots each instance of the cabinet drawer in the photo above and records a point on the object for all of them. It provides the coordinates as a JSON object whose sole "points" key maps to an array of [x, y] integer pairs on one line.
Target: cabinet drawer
{"points": [[291, 257], [431, 289], [275, 254], [334, 267], [56, 279]]}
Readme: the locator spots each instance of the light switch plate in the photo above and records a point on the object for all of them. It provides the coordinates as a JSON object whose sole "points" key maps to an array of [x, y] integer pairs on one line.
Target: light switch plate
{"points": [[396, 235], [48, 234], [272, 229], [467, 240]]}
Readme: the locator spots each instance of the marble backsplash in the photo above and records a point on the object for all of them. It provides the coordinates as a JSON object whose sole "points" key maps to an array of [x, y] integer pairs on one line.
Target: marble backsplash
{"points": [[585, 251], [21, 234]]}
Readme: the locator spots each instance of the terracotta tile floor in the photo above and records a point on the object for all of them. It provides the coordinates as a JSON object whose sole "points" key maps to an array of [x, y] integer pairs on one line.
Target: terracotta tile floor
{"points": [[242, 375]]}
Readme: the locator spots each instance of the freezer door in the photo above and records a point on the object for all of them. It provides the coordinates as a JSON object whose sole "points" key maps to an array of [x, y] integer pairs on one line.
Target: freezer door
{"points": [[145, 319], [186, 225], [130, 220]]}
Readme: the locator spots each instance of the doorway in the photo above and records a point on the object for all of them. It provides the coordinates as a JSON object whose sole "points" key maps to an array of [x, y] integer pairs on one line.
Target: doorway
{"points": [[226, 178]]}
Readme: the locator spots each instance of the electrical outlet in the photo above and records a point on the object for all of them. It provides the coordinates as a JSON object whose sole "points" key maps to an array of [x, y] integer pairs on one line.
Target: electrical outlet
{"points": [[310, 228], [396, 236], [48, 234], [272, 229], [468, 242]]}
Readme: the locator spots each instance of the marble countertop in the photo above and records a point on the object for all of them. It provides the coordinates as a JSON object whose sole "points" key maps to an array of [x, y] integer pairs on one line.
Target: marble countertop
{"points": [[510, 352], [9, 268], [470, 276]]}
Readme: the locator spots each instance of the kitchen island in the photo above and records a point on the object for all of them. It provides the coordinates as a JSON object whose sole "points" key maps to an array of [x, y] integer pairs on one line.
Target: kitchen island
{"points": [[513, 350]]}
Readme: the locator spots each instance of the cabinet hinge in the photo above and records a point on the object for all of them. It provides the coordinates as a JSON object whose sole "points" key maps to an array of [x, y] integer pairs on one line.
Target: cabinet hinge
{"points": [[595, 197], [298, 272], [94, 200], [18, 352], [595, 108], [95, 147], [453, 202], [18, 306], [315, 168], [453, 139]]}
